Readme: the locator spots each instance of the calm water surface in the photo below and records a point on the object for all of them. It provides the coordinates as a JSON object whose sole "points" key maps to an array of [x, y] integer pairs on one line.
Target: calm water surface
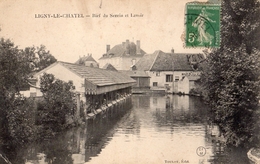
{"points": [[158, 129]]}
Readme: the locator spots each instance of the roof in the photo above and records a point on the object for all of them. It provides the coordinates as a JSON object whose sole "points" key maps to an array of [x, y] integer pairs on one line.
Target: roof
{"points": [[109, 66], [135, 73], [96, 76], [85, 58], [120, 51], [146, 62], [161, 61]]}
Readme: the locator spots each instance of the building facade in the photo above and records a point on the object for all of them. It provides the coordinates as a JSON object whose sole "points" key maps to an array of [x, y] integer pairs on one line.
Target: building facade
{"points": [[122, 56], [168, 69]]}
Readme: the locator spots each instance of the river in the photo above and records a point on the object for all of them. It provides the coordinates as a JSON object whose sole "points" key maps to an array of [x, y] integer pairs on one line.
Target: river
{"points": [[157, 129]]}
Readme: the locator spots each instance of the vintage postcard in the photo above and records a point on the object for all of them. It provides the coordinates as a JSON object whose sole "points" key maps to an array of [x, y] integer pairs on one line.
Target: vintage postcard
{"points": [[108, 81]]}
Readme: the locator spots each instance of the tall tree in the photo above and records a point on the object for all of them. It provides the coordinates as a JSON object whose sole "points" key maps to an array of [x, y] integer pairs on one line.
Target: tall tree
{"points": [[14, 69], [16, 66], [231, 76]]}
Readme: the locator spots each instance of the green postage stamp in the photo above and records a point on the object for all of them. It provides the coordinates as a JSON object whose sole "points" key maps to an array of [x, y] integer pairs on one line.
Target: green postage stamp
{"points": [[202, 25]]}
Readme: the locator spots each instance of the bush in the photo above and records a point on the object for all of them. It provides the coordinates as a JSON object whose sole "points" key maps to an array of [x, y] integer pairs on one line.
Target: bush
{"points": [[59, 102], [21, 121]]}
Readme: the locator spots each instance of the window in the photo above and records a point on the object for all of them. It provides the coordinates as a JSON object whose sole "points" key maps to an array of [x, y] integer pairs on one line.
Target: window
{"points": [[177, 78], [157, 73], [169, 78], [155, 84]]}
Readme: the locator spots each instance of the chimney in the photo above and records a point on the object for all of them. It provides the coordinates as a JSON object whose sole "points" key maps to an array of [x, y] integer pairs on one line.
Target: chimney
{"points": [[138, 48], [108, 48], [127, 47], [123, 44]]}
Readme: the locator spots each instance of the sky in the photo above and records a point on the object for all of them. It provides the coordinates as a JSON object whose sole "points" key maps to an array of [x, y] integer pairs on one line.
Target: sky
{"points": [[160, 27]]}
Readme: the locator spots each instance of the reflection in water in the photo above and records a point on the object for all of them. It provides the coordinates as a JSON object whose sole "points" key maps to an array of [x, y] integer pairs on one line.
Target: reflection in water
{"points": [[158, 129]]}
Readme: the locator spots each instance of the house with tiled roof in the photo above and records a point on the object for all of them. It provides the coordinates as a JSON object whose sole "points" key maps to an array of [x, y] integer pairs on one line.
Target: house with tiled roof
{"points": [[167, 69], [88, 61], [122, 56]]}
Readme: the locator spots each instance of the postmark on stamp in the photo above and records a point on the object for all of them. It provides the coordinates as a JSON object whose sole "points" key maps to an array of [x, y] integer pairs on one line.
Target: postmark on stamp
{"points": [[202, 25]]}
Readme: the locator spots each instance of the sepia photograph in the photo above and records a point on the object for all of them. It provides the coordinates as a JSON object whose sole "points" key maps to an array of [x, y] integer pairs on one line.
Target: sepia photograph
{"points": [[130, 82]]}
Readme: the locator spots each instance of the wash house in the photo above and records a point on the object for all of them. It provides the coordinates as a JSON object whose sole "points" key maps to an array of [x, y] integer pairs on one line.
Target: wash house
{"points": [[94, 86]]}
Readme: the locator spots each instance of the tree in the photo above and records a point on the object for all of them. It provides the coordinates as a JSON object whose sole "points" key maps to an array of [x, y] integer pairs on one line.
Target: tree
{"points": [[58, 102], [16, 67], [40, 57], [21, 121], [230, 78]]}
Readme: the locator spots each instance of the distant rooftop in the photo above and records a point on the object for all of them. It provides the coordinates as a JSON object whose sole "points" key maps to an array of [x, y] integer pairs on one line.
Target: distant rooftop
{"points": [[82, 60], [124, 50]]}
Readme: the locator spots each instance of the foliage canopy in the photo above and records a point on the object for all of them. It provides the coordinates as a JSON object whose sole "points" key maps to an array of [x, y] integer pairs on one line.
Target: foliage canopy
{"points": [[230, 77]]}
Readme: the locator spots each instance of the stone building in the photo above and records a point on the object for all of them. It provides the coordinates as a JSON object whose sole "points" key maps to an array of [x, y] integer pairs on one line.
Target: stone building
{"points": [[122, 56], [166, 70]]}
